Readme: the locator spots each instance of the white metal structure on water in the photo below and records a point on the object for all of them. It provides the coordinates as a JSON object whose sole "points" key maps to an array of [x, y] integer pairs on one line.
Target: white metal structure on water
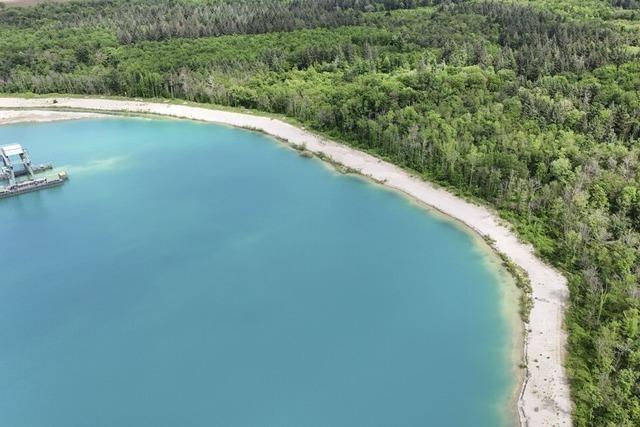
{"points": [[8, 172]]}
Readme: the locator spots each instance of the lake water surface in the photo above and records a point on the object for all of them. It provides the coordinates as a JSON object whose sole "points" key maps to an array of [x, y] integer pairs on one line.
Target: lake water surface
{"points": [[198, 275]]}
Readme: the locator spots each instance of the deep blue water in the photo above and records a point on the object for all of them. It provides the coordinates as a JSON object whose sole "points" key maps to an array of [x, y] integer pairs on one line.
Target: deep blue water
{"points": [[198, 275]]}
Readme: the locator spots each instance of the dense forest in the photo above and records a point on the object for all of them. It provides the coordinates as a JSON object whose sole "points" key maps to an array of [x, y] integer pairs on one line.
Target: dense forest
{"points": [[532, 106]]}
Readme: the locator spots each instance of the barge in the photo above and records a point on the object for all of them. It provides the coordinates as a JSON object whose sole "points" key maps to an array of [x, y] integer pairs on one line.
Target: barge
{"points": [[32, 183]]}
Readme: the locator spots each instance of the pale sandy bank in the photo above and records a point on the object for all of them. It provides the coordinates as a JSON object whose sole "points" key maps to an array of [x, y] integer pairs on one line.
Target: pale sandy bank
{"points": [[28, 2], [8, 117], [545, 398]]}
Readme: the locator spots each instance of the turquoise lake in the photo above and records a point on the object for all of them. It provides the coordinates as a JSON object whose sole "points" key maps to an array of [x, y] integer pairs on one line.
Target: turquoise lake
{"points": [[198, 275]]}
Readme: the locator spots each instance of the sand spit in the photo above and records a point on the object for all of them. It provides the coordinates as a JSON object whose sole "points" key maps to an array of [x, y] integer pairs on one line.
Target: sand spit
{"points": [[9, 117], [545, 397], [21, 3]]}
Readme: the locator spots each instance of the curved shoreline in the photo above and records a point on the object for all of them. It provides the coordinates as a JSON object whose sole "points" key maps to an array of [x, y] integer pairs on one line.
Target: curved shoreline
{"points": [[544, 398]]}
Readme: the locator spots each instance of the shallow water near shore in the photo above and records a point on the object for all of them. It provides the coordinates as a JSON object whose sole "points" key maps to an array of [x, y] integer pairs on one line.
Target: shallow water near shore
{"points": [[192, 274]]}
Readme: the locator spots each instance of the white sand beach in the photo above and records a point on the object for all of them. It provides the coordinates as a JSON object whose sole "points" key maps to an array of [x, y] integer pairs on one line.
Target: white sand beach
{"points": [[9, 117], [545, 396], [28, 2]]}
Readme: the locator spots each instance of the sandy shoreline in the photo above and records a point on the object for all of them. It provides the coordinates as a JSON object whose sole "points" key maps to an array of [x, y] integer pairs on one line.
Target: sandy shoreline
{"points": [[545, 398], [28, 2], [9, 117]]}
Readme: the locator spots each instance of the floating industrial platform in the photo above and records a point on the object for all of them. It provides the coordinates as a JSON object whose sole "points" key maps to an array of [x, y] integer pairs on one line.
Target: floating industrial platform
{"points": [[11, 174]]}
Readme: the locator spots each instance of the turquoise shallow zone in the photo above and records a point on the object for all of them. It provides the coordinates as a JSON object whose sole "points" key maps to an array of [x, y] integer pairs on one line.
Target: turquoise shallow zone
{"points": [[198, 275]]}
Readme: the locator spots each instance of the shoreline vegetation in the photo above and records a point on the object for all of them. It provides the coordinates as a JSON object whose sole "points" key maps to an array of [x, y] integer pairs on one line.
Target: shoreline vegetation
{"points": [[544, 397]]}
